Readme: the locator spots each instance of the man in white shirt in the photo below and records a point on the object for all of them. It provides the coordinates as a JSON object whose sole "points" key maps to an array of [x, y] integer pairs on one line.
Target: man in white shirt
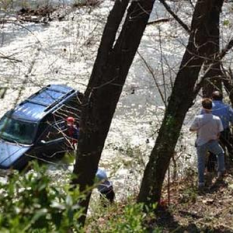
{"points": [[208, 128], [225, 113]]}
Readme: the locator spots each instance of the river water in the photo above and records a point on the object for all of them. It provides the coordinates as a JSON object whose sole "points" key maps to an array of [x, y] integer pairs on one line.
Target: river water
{"points": [[35, 3], [64, 52]]}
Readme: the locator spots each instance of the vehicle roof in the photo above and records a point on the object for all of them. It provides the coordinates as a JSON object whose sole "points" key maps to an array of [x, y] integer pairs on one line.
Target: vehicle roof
{"points": [[43, 102]]}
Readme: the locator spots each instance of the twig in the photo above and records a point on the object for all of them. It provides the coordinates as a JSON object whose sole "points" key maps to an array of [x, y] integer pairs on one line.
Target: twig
{"points": [[153, 76], [162, 68]]}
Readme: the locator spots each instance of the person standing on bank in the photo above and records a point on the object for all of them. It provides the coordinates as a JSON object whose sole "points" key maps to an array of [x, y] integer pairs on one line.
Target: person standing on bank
{"points": [[208, 128], [225, 113]]}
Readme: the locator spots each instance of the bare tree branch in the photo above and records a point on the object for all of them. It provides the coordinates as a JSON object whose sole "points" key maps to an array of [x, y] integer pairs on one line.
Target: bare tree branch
{"points": [[153, 76], [226, 49], [191, 3], [218, 59], [179, 20]]}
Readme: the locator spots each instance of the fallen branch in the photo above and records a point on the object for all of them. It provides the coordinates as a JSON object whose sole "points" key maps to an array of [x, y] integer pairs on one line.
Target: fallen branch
{"points": [[163, 20], [10, 58], [92, 3], [2, 92]]}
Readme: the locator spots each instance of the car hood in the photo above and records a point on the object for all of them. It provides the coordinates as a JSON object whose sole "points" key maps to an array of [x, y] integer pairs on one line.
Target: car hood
{"points": [[10, 152]]}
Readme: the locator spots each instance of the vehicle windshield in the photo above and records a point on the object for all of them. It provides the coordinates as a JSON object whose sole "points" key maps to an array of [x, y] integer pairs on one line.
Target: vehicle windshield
{"points": [[17, 131]]}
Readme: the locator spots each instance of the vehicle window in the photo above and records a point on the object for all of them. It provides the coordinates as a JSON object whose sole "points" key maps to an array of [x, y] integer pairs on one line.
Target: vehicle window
{"points": [[18, 131], [52, 132]]}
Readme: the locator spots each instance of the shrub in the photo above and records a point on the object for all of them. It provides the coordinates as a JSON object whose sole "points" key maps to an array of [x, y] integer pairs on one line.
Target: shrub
{"points": [[31, 202], [125, 217]]}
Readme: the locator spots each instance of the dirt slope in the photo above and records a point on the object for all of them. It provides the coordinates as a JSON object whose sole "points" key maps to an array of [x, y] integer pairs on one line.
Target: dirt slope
{"points": [[190, 210]]}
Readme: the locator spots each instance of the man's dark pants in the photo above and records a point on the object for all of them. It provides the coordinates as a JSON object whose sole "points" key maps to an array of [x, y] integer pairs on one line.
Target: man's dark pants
{"points": [[226, 141]]}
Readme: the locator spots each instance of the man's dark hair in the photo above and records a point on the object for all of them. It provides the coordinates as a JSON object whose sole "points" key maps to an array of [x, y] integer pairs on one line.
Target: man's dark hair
{"points": [[217, 95], [207, 103]]}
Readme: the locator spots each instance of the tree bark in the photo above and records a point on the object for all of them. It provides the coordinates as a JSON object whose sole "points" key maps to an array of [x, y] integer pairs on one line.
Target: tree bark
{"points": [[105, 86], [228, 83], [181, 99], [227, 75], [213, 80]]}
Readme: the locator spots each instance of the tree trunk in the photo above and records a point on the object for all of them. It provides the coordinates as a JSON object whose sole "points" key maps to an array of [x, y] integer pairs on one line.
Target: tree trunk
{"points": [[227, 74], [105, 86], [213, 80], [228, 84], [180, 101]]}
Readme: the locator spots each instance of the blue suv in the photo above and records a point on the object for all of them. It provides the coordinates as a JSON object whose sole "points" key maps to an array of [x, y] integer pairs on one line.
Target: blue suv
{"points": [[35, 128]]}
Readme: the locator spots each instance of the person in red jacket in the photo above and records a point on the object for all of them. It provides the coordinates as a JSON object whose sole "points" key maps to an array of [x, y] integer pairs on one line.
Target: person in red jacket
{"points": [[72, 131]]}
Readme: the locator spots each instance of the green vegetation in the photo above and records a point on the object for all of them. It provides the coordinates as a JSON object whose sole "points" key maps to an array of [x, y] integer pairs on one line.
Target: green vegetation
{"points": [[125, 217], [32, 202]]}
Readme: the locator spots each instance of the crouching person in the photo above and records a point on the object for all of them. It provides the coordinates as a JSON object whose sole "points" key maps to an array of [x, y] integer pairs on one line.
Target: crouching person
{"points": [[105, 187], [208, 128]]}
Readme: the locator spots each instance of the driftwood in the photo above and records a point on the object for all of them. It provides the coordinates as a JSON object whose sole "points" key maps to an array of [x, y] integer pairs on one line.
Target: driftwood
{"points": [[2, 92], [92, 3], [38, 15], [162, 20], [47, 13], [40, 11]]}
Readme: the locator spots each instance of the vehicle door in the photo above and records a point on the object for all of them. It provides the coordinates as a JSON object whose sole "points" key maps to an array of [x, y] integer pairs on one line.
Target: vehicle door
{"points": [[52, 140]]}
